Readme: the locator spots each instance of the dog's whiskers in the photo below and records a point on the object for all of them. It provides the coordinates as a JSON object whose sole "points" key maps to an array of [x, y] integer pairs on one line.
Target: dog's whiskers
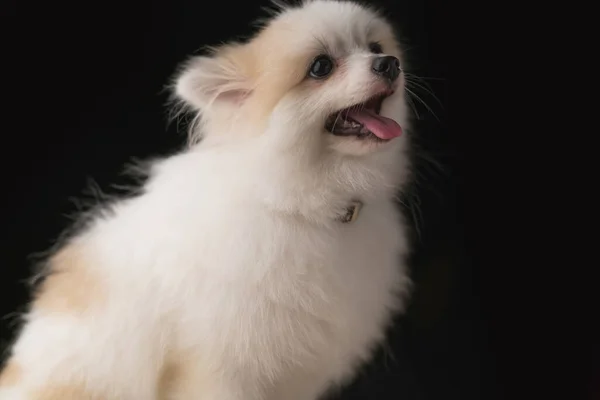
{"points": [[420, 100], [337, 116], [426, 88]]}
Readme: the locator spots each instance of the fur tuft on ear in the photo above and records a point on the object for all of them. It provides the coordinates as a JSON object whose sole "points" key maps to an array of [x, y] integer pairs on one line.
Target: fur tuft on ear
{"points": [[221, 78]]}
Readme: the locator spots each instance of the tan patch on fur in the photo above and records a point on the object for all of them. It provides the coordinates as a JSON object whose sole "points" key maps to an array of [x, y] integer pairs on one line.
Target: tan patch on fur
{"points": [[70, 286], [168, 380], [66, 392], [266, 74], [183, 377], [278, 71], [11, 374]]}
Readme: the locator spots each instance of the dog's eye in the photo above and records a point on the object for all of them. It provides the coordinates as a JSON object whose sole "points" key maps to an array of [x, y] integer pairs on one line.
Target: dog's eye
{"points": [[375, 47], [321, 67]]}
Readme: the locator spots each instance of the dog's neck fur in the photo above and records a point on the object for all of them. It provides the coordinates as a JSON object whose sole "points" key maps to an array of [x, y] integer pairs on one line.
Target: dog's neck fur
{"points": [[321, 185], [302, 176]]}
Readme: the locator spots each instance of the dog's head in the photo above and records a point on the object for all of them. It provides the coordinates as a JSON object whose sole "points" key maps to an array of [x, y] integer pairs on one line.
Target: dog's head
{"points": [[329, 71]]}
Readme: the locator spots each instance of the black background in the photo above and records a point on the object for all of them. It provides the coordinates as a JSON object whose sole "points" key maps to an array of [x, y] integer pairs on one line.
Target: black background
{"points": [[83, 94]]}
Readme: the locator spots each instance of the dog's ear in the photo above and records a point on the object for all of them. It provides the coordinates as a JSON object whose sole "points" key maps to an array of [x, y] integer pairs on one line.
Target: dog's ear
{"points": [[221, 78]]}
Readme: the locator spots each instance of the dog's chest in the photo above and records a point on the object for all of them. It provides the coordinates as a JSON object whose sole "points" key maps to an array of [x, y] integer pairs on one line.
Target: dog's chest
{"points": [[307, 293]]}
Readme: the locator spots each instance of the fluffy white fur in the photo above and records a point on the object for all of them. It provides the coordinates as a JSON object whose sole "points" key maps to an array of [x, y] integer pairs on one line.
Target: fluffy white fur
{"points": [[230, 277]]}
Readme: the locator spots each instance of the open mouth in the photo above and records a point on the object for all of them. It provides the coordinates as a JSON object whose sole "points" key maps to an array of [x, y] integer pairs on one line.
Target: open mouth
{"points": [[363, 121]]}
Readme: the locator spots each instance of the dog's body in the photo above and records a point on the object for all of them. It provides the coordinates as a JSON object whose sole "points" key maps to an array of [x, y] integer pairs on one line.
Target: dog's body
{"points": [[233, 276]]}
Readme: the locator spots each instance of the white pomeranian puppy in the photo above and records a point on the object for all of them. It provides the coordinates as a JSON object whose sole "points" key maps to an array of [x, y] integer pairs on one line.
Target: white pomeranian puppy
{"points": [[264, 262]]}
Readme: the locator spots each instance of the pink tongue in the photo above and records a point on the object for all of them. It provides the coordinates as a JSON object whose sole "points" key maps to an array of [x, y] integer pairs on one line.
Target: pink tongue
{"points": [[382, 127]]}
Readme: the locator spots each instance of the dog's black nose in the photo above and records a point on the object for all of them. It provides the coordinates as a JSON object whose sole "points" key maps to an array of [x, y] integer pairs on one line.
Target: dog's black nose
{"points": [[387, 67]]}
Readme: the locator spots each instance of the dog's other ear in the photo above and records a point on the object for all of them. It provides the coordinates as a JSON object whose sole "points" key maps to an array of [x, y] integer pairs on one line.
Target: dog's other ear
{"points": [[223, 78]]}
